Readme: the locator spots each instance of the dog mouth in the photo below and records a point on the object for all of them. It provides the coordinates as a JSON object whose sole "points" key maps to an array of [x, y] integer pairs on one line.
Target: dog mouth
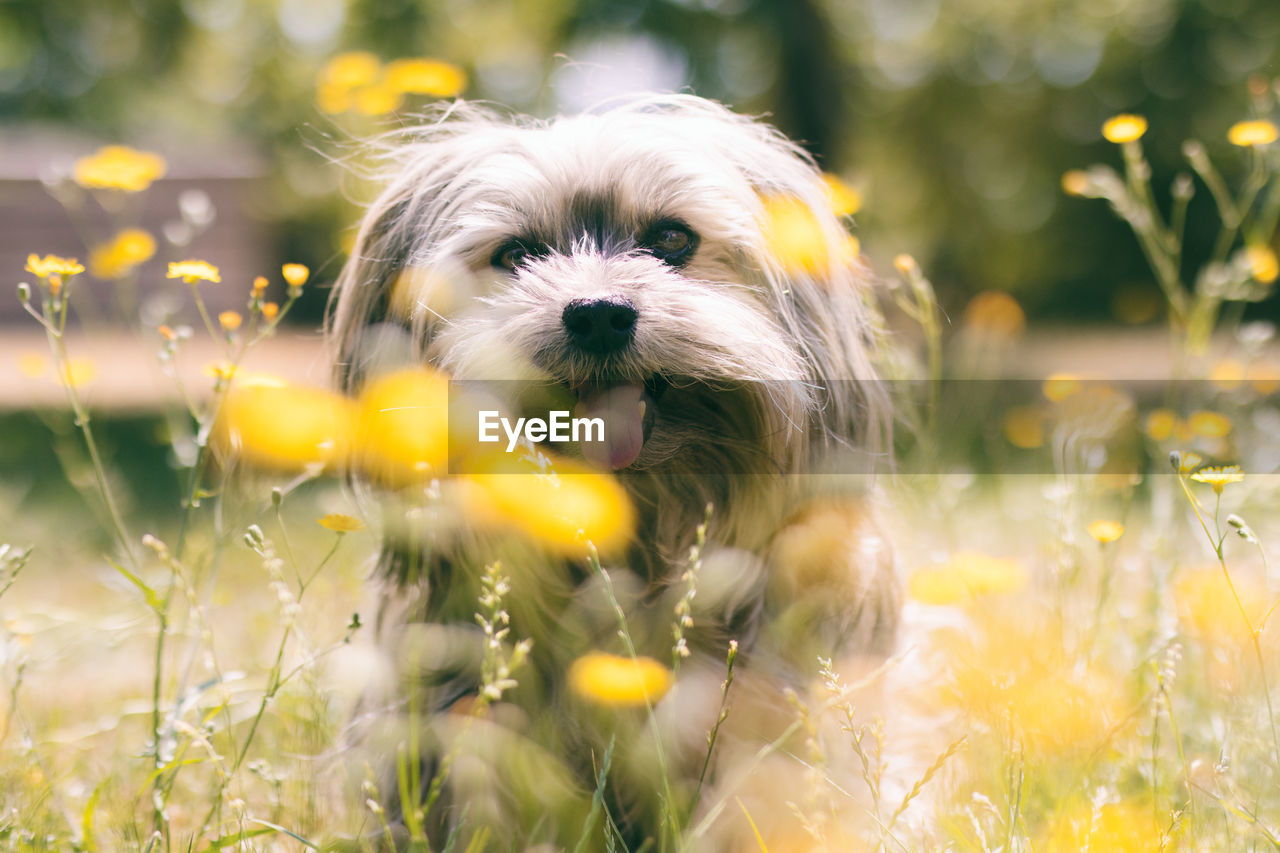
{"points": [[627, 410]]}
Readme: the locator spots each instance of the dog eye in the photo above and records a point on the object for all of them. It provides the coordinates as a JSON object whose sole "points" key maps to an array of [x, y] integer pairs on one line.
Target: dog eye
{"points": [[514, 253], [670, 242]]}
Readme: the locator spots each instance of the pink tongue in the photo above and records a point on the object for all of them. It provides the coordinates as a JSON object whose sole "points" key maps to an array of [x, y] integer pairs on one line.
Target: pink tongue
{"points": [[622, 408]]}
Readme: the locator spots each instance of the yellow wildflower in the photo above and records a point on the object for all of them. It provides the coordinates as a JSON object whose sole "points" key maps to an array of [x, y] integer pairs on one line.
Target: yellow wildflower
{"points": [[119, 256], [340, 523], [402, 427], [1124, 827], [259, 284], [905, 264], [619, 682], [32, 364], [1187, 461], [271, 423], [1105, 531], [377, 100], [424, 77], [167, 333], [795, 237], [333, 99], [1160, 424], [966, 577], [53, 266], [270, 310], [1075, 182], [223, 371], [1024, 427], [78, 372], [350, 69], [194, 271], [1124, 128], [1256, 132], [1219, 477], [1060, 386], [844, 199], [1209, 424], [295, 274], [1207, 607], [230, 320], [1265, 378], [1263, 264], [995, 312], [1226, 374], [119, 167]]}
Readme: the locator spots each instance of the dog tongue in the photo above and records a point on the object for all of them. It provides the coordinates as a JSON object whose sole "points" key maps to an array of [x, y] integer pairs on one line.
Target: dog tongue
{"points": [[623, 409]]}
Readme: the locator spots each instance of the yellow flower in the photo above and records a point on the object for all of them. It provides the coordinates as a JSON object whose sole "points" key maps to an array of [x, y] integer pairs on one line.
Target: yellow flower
{"points": [[794, 235], [340, 523], [1207, 607], [1220, 477], [1226, 374], [270, 310], [1209, 424], [1106, 531], [844, 199], [1124, 827], [1075, 182], [295, 274], [619, 682], [259, 284], [968, 576], [402, 427], [194, 271], [1024, 427], [223, 371], [905, 264], [78, 372], [1256, 132], [333, 99], [1160, 424], [351, 69], [32, 364], [377, 100], [53, 266], [424, 77], [561, 504], [995, 312], [1060, 386], [167, 333], [1265, 378], [119, 167], [230, 320], [119, 256], [1263, 264], [1187, 461], [1124, 128], [273, 424]]}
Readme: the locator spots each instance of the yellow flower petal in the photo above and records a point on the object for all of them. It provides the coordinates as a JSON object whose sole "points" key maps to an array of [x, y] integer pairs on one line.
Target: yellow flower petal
{"points": [[1219, 477], [1060, 386], [403, 427], [194, 271], [1105, 531], [1263, 264], [53, 265], [119, 167], [619, 682], [1124, 128], [424, 77], [994, 312], [230, 320], [1256, 132], [340, 523], [1024, 427], [1160, 424], [1209, 424], [270, 423], [967, 576], [844, 199], [295, 274]]}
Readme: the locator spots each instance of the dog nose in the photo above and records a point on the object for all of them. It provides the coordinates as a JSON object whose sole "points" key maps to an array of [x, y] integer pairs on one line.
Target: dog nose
{"points": [[600, 326]]}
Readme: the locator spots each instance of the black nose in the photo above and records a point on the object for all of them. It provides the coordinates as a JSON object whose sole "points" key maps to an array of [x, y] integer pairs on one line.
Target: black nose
{"points": [[600, 326]]}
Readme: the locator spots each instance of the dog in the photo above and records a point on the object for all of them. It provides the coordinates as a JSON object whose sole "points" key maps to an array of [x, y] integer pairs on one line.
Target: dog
{"points": [[624, 259]]}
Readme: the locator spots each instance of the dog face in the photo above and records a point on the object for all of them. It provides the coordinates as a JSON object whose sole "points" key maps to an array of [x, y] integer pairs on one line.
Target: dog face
{"points": [[626, 257]]}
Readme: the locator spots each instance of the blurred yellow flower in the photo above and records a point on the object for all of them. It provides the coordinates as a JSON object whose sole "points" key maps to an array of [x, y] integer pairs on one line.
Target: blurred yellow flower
{"points": [[295, 274], [1226, 374], [78, 372], [419, 76], [376, 100], [1265, 377], [1124, 827], [1256, 132], [120, 255], [1024, 427], [1220, 477], [844, 199], [119, 167], [995, 312], [1188, 462], [966, 577], [223, 371], [1060, 386], [1075, 182], [1263, 264], [1105, 531], [53, 266], [259, 284], [333, 99], [194, 271], [402, 427], [273, 424], [32, 364], [1159, 424], [270, 310], [340, 523], [619, 682], [561, 504], [1209, 424], [167, 333], [1124, 128], [1014, 677], [351, 69], [794, 235], [1207, 608], [905, 264], [230, 320]]}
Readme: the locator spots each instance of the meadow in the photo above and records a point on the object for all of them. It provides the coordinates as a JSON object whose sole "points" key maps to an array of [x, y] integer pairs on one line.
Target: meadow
{"points": [[1090, 659]]}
